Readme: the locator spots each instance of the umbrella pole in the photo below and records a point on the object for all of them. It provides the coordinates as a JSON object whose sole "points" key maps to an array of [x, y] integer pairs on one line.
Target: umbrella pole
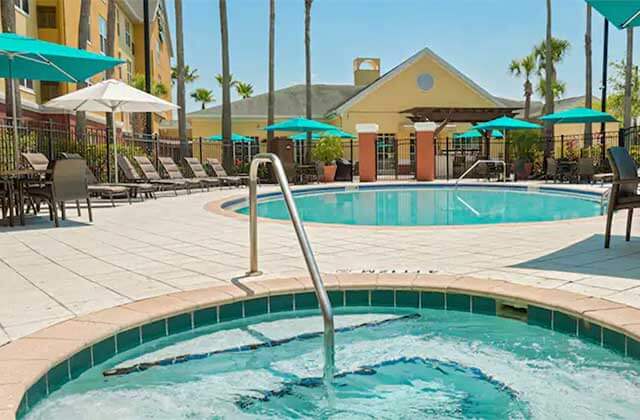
{"points": [[115, 148], [16, 145]]}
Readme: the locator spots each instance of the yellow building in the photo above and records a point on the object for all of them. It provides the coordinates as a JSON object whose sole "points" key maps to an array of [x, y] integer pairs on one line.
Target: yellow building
{"points": [[57, 21]]}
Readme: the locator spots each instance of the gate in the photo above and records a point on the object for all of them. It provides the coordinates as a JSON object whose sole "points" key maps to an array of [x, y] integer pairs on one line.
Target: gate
{"points": [[395, 158]]}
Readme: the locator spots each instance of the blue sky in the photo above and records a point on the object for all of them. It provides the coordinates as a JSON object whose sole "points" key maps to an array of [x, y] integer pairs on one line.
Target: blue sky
{"points": [[479, 37]]}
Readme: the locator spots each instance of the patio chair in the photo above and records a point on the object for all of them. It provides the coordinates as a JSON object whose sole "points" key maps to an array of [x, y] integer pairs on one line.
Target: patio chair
{"points": [[220, 173], [151, 175], [553, 172], [173, 172], [586, 170], [66, 182], [624, 191], [98, 189], [37, 161], [198, 172]]}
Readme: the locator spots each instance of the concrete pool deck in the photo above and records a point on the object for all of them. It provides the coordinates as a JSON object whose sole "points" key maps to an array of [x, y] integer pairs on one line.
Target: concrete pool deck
{"points": [[174, 244]]}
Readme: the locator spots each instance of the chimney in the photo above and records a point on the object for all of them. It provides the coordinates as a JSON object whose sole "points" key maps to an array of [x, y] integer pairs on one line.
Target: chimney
{"points": [[365, 70]]}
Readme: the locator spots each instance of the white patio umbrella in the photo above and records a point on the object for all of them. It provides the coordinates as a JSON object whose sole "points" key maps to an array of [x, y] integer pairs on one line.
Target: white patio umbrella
{"points": [[111, 96]]}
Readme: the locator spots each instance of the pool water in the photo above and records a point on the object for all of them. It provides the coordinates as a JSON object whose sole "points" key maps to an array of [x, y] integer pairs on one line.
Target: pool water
{"points": [[407, 206], [392, 364]]}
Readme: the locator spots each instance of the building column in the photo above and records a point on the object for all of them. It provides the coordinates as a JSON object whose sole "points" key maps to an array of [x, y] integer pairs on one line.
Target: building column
{"points": [[425, 151], [367, 136]]}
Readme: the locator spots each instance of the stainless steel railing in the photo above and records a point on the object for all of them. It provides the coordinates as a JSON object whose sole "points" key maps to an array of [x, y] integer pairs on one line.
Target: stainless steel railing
{"points": [[303, 240], [478, 162]]}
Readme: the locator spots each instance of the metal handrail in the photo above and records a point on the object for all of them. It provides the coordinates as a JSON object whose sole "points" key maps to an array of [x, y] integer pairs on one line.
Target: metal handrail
{"points": [[303, 240], [478, 162]]}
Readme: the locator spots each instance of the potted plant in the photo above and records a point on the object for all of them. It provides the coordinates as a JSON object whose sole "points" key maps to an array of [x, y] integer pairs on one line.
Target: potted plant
{"points": [[525, 145], [327, 151]]}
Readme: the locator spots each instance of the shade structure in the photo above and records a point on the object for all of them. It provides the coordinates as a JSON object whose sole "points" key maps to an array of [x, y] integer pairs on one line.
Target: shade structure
{"points": [[474, 134], [300, 125], [34, 59], [236, 138], [579, 116], [110, 96], [506, 123], [622, 13]]}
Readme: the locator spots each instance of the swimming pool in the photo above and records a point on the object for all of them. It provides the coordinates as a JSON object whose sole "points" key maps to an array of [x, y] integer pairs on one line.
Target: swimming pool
{"points": [[431, 205], [391, 362]]}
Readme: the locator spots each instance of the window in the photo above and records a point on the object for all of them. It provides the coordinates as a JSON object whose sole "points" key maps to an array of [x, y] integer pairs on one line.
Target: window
{"points": [[127, 34], [48, 90], [26, 83], [160, 31], [46, 17], [22, 5], [103, 34], [129, 71], [158, 50]]}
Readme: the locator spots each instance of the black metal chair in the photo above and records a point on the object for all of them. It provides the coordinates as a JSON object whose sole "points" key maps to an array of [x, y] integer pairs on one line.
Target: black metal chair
{"points": [[624, 191]]}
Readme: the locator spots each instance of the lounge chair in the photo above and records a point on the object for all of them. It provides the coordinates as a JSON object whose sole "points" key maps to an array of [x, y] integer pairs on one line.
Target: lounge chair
{"points": [[624, 191], [133, 178], [586, 170], [173, 172], [151, 175], [200, 174], [66, 182], [221, 174]]}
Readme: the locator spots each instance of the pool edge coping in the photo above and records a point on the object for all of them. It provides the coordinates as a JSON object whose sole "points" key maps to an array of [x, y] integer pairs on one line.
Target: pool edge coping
{"points": [[27, 360], [223, 205]]}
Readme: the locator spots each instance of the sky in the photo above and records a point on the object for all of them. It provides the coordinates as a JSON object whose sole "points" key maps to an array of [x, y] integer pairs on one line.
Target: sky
{"points": [[478, 37]]}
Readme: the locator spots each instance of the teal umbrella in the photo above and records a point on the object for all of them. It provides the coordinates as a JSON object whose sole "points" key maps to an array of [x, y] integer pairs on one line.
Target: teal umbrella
{"points": [[622, 13], [506, 123], [474, 134], [34, 59], [236, 138], [579, 116], [303, 136], [300, 125]]}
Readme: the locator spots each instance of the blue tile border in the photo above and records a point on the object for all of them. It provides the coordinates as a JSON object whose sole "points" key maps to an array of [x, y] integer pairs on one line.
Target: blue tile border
{"points": [[131, 338]]}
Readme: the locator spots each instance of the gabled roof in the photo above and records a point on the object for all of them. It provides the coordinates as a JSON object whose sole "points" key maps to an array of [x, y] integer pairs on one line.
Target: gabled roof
{"points": [[289, 102], [340, 109], [560, 105]]}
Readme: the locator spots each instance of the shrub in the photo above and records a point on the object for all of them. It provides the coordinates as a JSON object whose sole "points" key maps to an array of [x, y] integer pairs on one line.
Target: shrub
{"points": [[328, 150]]}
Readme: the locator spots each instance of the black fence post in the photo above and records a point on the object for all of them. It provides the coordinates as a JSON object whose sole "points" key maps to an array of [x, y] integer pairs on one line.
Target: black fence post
{"points": [[561, 146], [200, 148], [621, 136], [108, 153], [447, 156], [50, 141]]}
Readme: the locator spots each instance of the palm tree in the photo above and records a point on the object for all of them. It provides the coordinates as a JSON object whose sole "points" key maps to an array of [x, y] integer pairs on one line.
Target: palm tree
{"points": [[271, 94], [628, 79], [588, 97], [558, 88], [190, 75], [227, 154], [157, 89], [220, 79], [83, 39], [203, 95], [549, 79], [180, 77], [525, 67], [12, 89], [245, 90], [307, 59], [110, 51]]}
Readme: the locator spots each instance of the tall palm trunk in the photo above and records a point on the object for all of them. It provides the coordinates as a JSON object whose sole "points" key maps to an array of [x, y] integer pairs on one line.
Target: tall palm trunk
{"points": [[528, 91], [182, 113], [12, 90], [272, 48], [111, 46], [83, 38], [549, 80], [307, 58], [227, 153], [628, 79], [588, 97]]}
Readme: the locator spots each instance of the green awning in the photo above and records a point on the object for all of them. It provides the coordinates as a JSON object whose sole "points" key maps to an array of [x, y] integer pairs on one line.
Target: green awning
{"points": [[506, 123], [236, 138], [300, 124], [579, 116], [474, 134], [34, 59], [622, 13]]}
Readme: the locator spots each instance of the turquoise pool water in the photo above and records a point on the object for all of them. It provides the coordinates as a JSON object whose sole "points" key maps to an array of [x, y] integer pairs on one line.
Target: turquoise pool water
{"points": [[393, 364], [432, 206]]}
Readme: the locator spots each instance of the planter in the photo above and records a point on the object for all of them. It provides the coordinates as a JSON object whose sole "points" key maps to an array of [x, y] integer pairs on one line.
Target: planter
{"points": [[329, 173], [522, 169]]}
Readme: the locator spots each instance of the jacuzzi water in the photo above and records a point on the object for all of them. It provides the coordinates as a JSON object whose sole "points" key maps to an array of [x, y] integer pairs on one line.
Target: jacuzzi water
{"points": [[423, 364], [411, 206]]}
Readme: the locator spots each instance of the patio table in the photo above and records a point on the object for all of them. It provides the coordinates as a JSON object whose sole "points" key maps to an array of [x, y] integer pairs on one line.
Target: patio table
{"points": [[14, 181]]}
